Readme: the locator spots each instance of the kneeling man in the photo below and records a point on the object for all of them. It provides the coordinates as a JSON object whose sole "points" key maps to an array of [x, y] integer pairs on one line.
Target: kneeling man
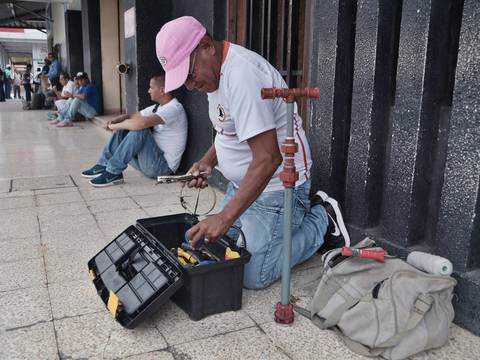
{"points": [[152, 140]]}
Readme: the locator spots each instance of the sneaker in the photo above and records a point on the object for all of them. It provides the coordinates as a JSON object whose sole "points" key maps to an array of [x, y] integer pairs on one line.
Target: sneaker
{"points": [[64, 124], [107, 179], [337, 234], [94, 171]]}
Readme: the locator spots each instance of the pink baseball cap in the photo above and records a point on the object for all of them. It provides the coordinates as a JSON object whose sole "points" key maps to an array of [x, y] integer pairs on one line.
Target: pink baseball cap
{"points": [[174, 43]]}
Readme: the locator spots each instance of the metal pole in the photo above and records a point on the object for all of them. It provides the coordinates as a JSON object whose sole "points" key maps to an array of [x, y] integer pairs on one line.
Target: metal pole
{"points": [[289, 175], [287, 220]]}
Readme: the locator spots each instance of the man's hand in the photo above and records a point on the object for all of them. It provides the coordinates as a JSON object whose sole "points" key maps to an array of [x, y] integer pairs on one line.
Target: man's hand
{"points": [[115, 120], [195, 170], [212, 228], [113, 127]]}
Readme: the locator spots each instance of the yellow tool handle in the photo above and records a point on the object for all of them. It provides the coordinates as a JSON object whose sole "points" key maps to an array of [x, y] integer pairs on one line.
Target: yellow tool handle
{"points": [[189, 257], [230, 254]]}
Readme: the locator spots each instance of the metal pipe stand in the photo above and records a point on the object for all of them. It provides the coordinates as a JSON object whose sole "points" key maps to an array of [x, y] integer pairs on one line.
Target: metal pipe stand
{"points": [[289, 175]]}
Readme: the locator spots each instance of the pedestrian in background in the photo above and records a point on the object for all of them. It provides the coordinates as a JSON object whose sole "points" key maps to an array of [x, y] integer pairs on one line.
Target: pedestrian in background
{"points": [[2, 91], [7, 79], [54, 71], [17, 81], [26, 81]]}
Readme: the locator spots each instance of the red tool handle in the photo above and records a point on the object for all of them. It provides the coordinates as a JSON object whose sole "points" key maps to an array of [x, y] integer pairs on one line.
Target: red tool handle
{"points": [[271, 93], [365, 254]]}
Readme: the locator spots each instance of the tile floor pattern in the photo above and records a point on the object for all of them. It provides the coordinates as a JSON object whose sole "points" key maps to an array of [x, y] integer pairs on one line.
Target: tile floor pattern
{"points": [[52, 221]]}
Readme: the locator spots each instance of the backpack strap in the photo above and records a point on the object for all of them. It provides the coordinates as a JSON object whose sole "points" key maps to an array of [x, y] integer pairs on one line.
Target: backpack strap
{"points": [[302, 311]]}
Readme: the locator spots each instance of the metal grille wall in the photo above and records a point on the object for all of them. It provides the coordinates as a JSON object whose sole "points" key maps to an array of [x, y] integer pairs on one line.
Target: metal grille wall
{"points": [[396, 133], [275, 30]]}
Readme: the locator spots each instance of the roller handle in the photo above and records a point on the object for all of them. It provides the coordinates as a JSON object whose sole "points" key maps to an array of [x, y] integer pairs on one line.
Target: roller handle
{"points": [[364, 254]]}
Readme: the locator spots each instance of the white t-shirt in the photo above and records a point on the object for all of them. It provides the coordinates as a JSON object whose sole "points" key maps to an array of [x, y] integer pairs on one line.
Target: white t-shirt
{"points": [[69, 87], [238, 113], [171, 137]]}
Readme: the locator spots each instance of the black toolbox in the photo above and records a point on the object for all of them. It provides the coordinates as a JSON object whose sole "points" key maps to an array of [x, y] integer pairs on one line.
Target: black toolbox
{"points": [[136, 273]]}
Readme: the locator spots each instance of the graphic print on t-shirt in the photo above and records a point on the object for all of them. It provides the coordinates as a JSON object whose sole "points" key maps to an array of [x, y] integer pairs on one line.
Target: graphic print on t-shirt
{"points": [[223, 123]]}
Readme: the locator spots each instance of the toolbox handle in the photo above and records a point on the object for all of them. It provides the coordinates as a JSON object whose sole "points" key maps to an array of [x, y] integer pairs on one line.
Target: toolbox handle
{"points": [[244, 240], [125, 266]]}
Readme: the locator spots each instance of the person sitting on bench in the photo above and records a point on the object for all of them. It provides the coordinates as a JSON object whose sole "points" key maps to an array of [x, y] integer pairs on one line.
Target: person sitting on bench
{"points": [[152, 140]]}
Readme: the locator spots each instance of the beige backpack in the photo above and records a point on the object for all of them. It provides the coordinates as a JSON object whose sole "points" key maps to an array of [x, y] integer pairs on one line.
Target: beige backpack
{"points": [[386, 309]]}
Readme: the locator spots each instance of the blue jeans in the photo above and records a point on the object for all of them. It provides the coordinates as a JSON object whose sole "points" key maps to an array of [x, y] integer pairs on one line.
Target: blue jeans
{"points": [[74, 106], [137, 148], [262, 224]]}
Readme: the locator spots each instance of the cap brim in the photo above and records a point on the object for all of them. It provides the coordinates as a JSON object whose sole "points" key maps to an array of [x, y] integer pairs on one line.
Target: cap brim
{"points": [[174, 78]]}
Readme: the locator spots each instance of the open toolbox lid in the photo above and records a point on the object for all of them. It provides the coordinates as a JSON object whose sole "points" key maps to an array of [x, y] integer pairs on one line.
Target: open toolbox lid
{"points": [[136, 273]]}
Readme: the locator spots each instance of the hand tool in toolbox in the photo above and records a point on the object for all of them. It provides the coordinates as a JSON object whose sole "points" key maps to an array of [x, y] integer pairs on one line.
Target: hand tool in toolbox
{"points": [[168, 179]]}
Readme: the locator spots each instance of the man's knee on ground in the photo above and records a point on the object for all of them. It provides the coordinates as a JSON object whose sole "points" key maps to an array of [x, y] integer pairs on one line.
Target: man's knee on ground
{"points": [[253, 280]]}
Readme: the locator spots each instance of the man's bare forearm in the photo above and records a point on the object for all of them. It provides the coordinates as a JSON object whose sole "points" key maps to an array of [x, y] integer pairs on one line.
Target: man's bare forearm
{"points": [[129, 124], [210, 157], [120, 118]]}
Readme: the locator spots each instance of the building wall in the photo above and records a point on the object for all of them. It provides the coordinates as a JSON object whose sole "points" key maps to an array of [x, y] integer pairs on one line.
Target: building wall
{"points": [[92, 51], [110, 56]]}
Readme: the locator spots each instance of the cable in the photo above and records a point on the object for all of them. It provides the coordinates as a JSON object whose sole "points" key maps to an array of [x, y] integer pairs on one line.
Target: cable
{"points": [[193, 210]]}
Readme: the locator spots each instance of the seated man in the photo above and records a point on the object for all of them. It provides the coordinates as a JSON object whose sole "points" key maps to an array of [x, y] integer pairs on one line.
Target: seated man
{"points": [[85, 102], [152, 141], [60, 98]]}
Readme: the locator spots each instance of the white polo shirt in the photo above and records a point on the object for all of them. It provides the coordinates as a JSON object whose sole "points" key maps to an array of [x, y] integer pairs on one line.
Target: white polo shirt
{"points": [[171, 137], [238, 113]]}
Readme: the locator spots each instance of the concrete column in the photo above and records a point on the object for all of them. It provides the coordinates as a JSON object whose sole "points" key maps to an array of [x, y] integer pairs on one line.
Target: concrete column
{"points": [[92, 52], [74, 41], [376, 43], [331, 69], [149, 17], [460, 202], [412, 59], [110, 45]]}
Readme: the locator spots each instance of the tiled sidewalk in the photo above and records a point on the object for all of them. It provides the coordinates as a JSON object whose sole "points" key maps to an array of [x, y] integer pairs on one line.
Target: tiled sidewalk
{"points": [[52, 222]]}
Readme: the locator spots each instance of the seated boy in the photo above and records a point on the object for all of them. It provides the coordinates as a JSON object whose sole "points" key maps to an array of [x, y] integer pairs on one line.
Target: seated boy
{"points": [[152, 140], [85, 102]]}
